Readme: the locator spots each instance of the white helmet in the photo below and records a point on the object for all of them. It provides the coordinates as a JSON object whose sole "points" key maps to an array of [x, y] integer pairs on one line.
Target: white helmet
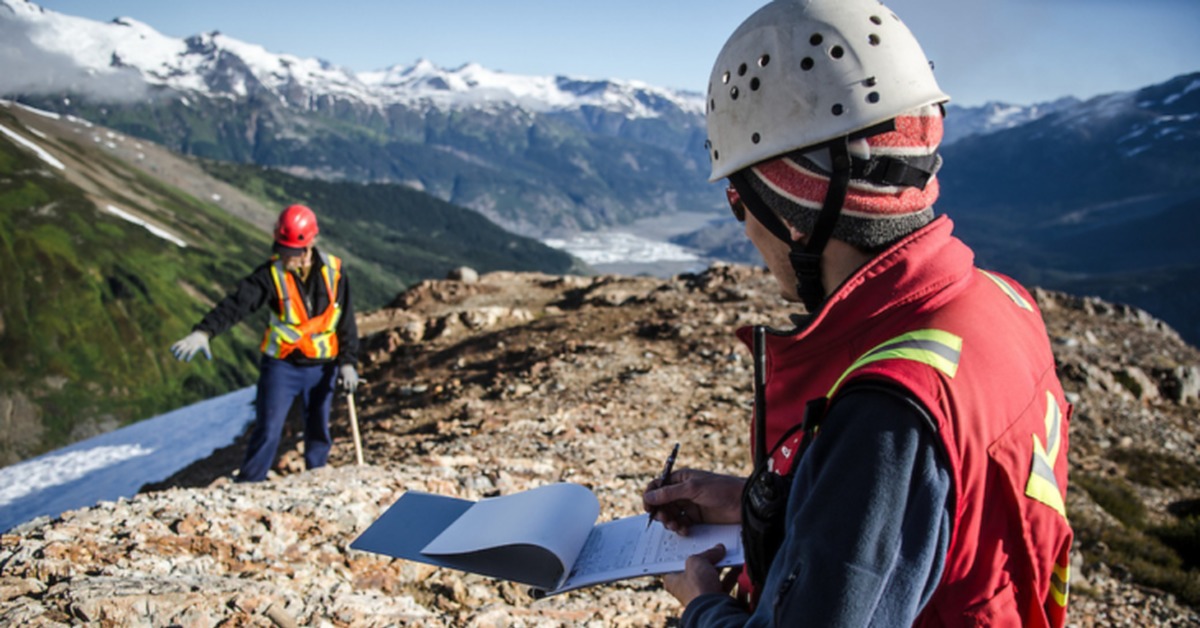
{"points": [[798, 73]]}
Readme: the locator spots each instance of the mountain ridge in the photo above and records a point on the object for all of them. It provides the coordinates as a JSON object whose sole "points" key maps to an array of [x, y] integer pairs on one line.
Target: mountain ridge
{"points": [[541, 156], [195, 64]]}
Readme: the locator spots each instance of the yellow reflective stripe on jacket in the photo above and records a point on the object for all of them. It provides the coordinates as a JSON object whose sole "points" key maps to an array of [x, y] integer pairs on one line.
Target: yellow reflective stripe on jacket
{"points": [[1043, 485], [939, 349], [323, 340], [1008, 290], [1060, 583]]}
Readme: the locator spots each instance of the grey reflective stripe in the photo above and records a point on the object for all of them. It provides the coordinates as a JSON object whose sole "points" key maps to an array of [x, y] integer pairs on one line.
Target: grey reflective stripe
{"points": [[934, 347], [946, 351], [1063, 587], [1042, 469], [1053, 426], [285, 298], [1008, 290]]}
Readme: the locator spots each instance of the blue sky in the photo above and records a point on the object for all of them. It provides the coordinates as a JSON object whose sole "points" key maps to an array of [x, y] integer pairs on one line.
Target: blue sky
{"points": [[1018, 51]]}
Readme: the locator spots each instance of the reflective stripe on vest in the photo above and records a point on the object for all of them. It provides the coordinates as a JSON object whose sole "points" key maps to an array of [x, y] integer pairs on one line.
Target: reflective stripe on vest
{"points": [[1008, 290], [1043, 486], [939, 349], [291, 329], [1060, 586]]}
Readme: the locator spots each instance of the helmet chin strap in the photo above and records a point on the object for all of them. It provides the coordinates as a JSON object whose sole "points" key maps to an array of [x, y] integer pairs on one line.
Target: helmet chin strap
{"points": [[806, 259]]}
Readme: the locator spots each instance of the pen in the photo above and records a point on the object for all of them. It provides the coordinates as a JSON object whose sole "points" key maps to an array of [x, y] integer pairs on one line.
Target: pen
{"points": [[662, 479]]}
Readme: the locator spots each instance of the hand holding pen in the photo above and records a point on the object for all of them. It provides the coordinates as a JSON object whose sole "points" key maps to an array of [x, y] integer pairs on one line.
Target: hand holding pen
{"points": [[687, 497], [662, 479]]}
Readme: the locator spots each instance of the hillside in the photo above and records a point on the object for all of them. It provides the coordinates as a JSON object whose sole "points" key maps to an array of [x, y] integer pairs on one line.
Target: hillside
{"points": [[116, 247], [519, 380], [91, 298]]}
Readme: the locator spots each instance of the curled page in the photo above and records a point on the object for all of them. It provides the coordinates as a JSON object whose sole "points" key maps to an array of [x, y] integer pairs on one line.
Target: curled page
{"points": [[538, 533]]}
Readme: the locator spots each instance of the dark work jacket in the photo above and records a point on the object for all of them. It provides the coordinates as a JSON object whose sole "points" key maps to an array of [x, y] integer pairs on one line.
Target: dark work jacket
{"points": [[258, 289]]}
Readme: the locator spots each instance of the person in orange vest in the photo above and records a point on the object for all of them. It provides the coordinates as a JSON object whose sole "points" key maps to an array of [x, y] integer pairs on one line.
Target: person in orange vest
{"points": [[309, 348], [909, 432]]}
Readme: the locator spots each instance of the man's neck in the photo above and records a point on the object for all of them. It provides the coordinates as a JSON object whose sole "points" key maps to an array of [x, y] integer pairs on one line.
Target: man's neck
{"points": [[302, 272], [840, 260]]}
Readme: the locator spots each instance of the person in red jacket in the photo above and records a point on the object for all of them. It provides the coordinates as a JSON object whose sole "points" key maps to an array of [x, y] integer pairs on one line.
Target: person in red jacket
{"points": [[310, 343], [910, 433]]}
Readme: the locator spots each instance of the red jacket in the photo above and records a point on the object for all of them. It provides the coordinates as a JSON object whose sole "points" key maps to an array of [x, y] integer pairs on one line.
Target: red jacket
{"points": [[972, 348]]}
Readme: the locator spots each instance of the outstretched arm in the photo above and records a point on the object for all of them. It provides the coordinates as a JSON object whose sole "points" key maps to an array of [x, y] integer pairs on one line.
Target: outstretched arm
{"points": [[250, 294]]}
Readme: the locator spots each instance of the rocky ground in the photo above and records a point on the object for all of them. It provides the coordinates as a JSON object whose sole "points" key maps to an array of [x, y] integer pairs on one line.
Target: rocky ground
{"points": [[485, 386]]}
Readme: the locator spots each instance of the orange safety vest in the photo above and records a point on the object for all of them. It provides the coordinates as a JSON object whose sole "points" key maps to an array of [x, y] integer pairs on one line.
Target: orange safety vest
{"points": [[291, 328], [971, 346]]}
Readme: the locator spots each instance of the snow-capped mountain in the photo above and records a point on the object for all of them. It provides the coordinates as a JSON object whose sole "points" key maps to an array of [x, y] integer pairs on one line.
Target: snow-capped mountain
{"points": [[538, 155], [215, 65], [1100, 198], [995, 116]]}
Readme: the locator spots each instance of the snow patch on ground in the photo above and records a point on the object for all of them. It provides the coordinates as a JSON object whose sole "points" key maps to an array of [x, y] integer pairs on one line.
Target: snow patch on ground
{"points": [[156, 230], [116, 464], [53, 470], [38, 150]]}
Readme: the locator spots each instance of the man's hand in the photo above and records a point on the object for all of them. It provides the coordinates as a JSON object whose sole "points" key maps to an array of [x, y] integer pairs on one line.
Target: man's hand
{"points": [[699, 576], [192, 343], [692, 496], [347, 378]]}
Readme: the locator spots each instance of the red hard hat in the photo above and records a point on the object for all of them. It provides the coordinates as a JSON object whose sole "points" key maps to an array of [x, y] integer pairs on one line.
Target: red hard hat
{"points": [[296, 227]]}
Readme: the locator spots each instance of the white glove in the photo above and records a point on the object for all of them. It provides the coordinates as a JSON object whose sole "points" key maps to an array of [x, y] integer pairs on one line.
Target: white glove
{"points": [[347, 378], [185, 349]]}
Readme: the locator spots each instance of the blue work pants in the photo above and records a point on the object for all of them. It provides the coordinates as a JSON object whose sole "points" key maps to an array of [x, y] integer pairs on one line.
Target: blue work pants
{"points": [[279, 383]]}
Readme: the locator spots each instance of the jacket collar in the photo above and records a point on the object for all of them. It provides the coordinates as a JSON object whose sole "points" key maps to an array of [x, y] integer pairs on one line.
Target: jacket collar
{"points": [[929, 264]]}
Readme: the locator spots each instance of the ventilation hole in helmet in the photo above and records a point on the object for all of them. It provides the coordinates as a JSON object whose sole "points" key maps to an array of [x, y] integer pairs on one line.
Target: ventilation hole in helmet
{"points": [[756, 138], [806, 64], [876, 20], [816, 39], [873, 97], [754, 83], [742, 70], [725, 77], [712, 105], [733, 92], [716, 155], [870, 81], [873, 39], [764, 60], [838, 109], [836, 52]]}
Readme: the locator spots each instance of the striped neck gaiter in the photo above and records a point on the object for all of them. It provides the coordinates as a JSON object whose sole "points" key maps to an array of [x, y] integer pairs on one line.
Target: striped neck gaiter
{"points": [[874, 214]]}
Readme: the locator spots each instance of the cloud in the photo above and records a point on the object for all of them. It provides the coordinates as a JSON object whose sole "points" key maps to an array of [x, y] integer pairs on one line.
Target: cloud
{"points": [[32, 71]]}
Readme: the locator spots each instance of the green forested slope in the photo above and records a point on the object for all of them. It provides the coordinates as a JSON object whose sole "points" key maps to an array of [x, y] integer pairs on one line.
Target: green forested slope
{"points": [[89, 303]]}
